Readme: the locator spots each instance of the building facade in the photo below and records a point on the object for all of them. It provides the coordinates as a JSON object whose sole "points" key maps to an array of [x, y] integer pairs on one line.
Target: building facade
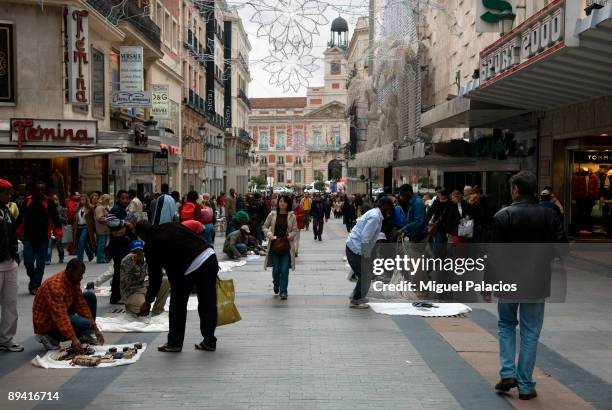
{"points": [[237, 105], [65, 125]]}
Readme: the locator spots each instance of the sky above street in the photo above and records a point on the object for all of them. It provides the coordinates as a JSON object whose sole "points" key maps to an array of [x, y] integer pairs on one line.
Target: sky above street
{"points": [[260, 85]]}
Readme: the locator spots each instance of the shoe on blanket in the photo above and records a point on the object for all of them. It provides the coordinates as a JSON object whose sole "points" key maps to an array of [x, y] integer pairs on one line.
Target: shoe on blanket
{"points": [[48, 342], [11, 347]]}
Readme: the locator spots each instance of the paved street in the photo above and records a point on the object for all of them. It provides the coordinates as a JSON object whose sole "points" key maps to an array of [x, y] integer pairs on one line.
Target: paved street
{"points": [[312, 352]]}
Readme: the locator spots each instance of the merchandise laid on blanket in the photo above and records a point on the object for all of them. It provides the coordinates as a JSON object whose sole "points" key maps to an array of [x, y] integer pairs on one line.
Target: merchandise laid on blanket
{"points": [[91, 356]]}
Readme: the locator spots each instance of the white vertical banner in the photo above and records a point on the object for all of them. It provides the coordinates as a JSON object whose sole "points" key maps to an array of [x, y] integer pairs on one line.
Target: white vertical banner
{"points": [[131, 76], [77, 33], [161, 101]]}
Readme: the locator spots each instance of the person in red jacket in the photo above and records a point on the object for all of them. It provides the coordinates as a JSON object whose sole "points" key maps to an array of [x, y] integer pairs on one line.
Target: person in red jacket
{"points": [[298, 211]]}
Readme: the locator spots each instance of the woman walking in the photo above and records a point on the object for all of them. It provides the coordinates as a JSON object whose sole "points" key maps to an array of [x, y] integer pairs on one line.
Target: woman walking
{"points": [[102, 230], [281, 228], [83, 233]]}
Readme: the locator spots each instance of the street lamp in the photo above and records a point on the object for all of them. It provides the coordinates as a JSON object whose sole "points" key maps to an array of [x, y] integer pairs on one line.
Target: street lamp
{"points": [[594, 5], [506, 21]]}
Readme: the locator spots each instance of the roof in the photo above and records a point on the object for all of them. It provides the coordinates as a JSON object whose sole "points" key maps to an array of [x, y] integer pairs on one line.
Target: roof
{"points": [[339, 25], [286, 102]]}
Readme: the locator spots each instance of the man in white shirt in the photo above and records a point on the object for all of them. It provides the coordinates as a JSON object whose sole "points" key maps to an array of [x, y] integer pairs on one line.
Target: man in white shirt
{"points": [[359, 245]]}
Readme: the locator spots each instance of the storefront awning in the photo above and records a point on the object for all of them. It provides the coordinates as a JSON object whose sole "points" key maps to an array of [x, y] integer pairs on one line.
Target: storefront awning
{"points": [[48, 153], [459, 164], [561, 75], [466, 113], [379, 157]]}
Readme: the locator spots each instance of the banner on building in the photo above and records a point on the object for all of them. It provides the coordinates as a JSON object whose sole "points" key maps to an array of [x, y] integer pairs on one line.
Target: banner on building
{"points": [[131, 99], [77, 33], [7, 72], [160, 101], [97, 84], [160, 163], [131, 68]]}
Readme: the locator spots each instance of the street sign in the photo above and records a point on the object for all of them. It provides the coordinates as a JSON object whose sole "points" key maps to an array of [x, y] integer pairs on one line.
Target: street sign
{"points": [[160, 101], [131, 99]]}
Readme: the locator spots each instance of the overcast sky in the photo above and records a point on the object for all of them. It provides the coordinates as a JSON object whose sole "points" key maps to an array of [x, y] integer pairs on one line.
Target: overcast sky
{"points": [[260, 86]]}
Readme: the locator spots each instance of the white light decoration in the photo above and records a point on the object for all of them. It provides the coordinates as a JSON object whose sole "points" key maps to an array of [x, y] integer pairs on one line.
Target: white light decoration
{"points": [[290, 71], [289, 24]]}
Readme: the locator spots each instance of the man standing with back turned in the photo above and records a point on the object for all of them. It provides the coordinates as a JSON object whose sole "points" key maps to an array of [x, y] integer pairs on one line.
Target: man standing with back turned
{"points": [[524, 221]]}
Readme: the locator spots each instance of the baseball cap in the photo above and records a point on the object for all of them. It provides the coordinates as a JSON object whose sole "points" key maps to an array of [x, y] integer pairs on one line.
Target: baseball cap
{"points": [[5, 184], [245, 228], [194, 226], [136, 245]]}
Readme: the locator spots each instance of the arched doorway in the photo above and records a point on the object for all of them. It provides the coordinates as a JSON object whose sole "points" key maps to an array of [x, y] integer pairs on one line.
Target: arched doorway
{"points": [[334, 170]]}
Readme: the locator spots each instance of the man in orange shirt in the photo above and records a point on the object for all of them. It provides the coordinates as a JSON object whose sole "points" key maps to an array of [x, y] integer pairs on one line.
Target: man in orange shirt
{"points": [[61, 310]]}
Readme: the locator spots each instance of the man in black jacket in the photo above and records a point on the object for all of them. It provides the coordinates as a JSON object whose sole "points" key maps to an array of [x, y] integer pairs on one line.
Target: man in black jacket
{"points": [[188, 261], [528, 232], [317, 213], [9, 260], [37, 217]]}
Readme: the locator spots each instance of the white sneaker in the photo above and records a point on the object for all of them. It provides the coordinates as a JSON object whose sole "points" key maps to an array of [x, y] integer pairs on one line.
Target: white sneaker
{"points": [[48, 342]]}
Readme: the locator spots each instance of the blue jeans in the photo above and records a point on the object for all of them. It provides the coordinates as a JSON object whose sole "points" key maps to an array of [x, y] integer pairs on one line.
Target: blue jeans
{"points": [[209, 232], [242, 248], [280, 270], [530, 317], [80, 324], [83, 243], [35, 253], [60, 249], [101, 248]]}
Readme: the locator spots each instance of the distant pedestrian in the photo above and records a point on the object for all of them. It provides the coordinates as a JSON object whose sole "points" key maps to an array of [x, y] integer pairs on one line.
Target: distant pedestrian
{"points": [[317, 213], [349, 213], [164, 208], [102, 231], [281, 228], [121, 235], [524, 221], [306, 204]]}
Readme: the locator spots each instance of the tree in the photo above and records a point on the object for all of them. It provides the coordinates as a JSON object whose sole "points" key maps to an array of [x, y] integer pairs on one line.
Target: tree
{"points": [[319, 186], [258, 181]]}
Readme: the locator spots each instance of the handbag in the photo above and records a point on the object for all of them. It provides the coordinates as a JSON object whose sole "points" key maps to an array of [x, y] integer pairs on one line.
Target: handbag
{"points": [[227, 312], [280, 246], [466, 228]]}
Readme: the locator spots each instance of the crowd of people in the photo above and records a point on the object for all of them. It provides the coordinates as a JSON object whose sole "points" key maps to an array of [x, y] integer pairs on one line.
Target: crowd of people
{"points": [[163, 246]]}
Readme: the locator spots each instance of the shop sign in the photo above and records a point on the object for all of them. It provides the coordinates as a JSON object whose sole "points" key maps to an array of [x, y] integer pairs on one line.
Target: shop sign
{"points": [[131, 68], [7, 72], [489, 14], [160, 100], [97, 83], [537, 35], [131, 99], [77, 33], [53, 132], [593, 156], [160, 163]]}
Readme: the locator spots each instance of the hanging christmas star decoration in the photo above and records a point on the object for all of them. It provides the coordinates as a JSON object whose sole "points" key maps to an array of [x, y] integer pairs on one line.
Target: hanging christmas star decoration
{"points": [[289, 24], [290, 71]]}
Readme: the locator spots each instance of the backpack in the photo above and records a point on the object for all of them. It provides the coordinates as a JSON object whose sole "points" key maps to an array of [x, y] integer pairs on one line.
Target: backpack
{"points": [[187, 211]]}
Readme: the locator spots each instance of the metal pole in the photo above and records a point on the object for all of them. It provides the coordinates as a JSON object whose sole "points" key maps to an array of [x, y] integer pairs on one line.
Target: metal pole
{"points": [[370, 179]]}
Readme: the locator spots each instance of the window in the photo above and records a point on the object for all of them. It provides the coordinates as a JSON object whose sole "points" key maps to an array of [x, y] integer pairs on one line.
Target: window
{"points": [[263, 140], [336, 67], [175, 35], [280, 176], [336, 137], [297, 176], [263, 160], [167, 27], [280, 140], [280, 160], [297, 161], [316, 138], [335, 86], [288, 175], [315, 101]]}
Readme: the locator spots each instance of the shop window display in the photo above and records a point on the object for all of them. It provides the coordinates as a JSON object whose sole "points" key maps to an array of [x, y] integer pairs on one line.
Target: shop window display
{"points": [[591, 194]]}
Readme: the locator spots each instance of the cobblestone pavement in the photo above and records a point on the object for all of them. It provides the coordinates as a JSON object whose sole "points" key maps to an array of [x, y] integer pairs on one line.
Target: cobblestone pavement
{"points": [[313, 352]]}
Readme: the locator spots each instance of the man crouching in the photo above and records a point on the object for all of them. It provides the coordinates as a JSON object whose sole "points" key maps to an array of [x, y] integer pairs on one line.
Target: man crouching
{"points": [[189, 262], [133, 285], [62, 311]]}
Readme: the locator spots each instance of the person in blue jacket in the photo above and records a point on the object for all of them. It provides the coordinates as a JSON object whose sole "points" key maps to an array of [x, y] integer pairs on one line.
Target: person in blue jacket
{"points": [[412, 208]]}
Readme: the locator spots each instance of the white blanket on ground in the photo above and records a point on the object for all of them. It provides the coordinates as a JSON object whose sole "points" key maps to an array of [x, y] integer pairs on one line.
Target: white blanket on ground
{"points": [[442, 309], [46, 361], [127, 323]]}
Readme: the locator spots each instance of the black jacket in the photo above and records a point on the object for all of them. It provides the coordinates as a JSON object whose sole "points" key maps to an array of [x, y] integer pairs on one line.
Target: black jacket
{"points": [[8, 236], [173, 247], [317, 209], [454, 216], [438, 214], [526, 238], [37, 218], [349, 212]]}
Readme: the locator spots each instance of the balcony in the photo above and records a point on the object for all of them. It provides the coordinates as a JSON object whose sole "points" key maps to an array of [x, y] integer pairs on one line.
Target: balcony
{"points": [[216, 120], [130, 12], [324, 147], [242, 95]]}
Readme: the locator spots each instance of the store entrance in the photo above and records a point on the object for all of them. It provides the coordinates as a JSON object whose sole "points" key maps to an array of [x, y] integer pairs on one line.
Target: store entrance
{"points": [[591, 195]]}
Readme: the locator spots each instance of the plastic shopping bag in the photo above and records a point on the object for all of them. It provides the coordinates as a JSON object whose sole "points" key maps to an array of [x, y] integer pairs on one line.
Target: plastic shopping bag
{"points": [[227, 312]]}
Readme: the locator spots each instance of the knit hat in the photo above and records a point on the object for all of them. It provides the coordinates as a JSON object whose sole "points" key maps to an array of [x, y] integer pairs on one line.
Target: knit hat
{"points": [[5, 184]]}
